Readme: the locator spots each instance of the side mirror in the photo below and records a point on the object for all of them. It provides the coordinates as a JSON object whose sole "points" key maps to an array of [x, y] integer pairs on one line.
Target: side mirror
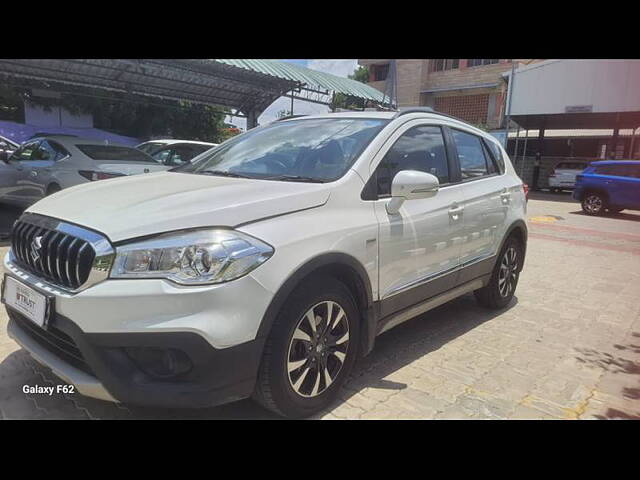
{"points": [[411, 185]]}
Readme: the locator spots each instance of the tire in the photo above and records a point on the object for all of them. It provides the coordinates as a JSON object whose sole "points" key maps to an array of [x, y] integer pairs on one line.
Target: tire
{"points": [[292, 379], [594, 203], [500, 289]]}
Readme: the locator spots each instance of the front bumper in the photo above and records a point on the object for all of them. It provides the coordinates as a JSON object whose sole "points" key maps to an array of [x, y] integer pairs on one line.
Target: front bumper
{"points": [[100, 366], [88, 341]]}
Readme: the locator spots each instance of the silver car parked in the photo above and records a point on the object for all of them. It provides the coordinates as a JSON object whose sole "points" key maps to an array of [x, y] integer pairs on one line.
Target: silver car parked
{"points": [[45, 165]]}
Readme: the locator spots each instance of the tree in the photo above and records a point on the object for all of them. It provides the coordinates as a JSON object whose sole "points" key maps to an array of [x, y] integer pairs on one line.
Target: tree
{"points": [[340, 100]]}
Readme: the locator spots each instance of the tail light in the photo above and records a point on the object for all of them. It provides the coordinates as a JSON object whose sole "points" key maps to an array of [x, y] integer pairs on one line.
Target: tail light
{"points": [[93, 175], [525, 188], [553, 173]]}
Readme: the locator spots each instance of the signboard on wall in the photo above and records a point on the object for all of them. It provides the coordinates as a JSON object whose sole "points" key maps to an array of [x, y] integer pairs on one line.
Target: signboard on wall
{"points": [[578, 109]]}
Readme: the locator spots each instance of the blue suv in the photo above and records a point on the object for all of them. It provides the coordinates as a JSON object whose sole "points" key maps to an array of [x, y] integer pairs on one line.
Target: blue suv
{"points": [[610, 186]]}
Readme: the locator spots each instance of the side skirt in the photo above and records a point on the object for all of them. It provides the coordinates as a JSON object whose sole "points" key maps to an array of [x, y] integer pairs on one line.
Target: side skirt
{"points": [[396, 319]]}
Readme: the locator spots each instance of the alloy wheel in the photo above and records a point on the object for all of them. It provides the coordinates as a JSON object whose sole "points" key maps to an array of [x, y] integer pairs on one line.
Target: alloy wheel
{"points": [[593, 204], [317, 349], [508, 275]]}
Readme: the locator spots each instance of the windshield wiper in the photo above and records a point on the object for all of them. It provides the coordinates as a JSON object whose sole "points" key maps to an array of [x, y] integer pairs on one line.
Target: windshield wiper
{"points": [[223, 173], [295, 178]]}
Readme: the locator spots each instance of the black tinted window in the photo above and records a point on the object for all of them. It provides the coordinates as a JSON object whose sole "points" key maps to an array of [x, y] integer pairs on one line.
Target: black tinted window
{"points": [[497, 154], [26, 152], [112, 152], [420, 148], [473, 161]]}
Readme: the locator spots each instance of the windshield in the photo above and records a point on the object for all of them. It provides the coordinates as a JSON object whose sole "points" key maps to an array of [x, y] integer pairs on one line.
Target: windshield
{"points": [[112, 152], [314, 150]]}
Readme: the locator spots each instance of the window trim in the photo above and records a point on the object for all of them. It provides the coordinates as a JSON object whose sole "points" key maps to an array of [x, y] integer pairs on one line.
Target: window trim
{"points": [[370, 190], [473, 179]]}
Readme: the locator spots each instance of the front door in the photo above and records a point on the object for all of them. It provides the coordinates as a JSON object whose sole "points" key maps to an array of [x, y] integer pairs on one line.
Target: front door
{"points": [[419, 246]]}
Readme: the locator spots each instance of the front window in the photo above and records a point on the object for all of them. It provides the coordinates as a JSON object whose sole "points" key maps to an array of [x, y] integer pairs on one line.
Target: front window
{"points": [[441, 64], [478, 62], [307, 150]]}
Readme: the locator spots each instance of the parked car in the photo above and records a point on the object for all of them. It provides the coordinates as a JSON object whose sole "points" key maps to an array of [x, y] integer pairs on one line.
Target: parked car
{"points": [[609, 186], [265, 267], [174, 152], [564, 175], [45, 165]]}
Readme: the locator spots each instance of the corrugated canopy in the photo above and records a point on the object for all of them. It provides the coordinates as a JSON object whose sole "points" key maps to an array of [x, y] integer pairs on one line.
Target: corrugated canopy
{"points": [[244, 85], [310, 81]]}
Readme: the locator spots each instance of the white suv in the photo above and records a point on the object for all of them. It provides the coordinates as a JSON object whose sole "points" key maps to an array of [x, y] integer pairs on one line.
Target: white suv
{"points": [[268, 265]]}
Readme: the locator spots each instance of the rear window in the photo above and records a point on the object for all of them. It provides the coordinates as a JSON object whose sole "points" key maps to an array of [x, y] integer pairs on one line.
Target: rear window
{"points": [[111, 152]]}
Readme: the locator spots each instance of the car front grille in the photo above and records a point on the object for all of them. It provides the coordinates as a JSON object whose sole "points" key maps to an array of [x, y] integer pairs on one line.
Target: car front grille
{"points": [[62, 254], [54, 340]]}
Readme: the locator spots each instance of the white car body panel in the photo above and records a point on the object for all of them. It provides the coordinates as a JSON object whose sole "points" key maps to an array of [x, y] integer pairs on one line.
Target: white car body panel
{"points": [[130, 207], [565, 177]]}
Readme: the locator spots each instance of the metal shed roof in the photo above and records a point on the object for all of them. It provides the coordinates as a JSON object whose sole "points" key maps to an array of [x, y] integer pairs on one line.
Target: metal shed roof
{"points": [[311, 81], [244, 85]]}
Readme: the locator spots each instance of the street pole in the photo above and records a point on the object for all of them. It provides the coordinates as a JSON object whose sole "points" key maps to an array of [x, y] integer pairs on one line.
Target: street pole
{"points": [[524, 154], [509, 94]]}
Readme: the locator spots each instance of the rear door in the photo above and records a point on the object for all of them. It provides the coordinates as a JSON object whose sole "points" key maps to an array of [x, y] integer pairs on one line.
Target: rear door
{"points": [[38, 171], [627, 188], [20, 191], [486, 203]]}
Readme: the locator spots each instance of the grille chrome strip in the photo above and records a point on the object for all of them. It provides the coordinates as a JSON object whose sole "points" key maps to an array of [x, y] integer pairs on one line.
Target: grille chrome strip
{"points": [[67, 256]]}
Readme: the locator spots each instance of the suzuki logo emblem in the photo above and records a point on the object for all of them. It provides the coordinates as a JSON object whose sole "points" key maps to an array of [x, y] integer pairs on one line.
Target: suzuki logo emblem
{"points": [[36, 245]]}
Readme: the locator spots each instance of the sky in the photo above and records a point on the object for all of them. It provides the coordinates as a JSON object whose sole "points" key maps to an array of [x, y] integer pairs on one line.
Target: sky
{"points": [[341, 68]]}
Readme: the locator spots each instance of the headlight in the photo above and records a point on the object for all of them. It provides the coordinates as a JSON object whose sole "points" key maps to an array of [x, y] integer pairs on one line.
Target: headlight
{"points": [[192, 258]]}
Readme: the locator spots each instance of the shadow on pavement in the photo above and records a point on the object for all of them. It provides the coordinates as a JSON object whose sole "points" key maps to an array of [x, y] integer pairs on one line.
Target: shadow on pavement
{"points": [[617, 365], [564, 197], [417, 338], [394, 349]]}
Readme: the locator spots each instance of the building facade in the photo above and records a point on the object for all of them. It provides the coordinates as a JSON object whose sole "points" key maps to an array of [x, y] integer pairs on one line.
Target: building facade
{"points": [[471, 89]]}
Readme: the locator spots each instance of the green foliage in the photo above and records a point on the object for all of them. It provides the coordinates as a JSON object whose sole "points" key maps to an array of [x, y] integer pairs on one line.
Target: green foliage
{"points": [[340, 100], [361, 74]]}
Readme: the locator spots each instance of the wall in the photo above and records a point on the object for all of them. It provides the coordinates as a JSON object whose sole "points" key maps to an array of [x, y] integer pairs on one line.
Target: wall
{"points": [[549, 87], [54, 117]]}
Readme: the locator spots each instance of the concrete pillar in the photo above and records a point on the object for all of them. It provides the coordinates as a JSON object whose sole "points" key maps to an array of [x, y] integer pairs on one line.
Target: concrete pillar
{"points": [[611, 153], [252, 118]]}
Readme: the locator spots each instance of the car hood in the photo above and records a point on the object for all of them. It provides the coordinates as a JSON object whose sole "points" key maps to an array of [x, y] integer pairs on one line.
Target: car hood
{"points": [[130, 207]]}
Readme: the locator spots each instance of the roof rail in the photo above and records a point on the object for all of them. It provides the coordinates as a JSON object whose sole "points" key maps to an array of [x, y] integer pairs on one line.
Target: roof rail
{"points": [[425, 110], [289, 117]]}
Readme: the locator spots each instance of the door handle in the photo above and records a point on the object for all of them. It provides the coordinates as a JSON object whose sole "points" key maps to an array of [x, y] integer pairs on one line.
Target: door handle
{"points": [[455, 212]]}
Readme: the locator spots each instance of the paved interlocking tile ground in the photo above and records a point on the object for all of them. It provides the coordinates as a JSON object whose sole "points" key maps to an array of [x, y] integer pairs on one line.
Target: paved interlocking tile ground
{"points": [[567, 347]]}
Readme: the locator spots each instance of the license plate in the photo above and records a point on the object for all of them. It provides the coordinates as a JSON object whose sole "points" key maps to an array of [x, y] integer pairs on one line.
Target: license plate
{"points": [[26, 300]]}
